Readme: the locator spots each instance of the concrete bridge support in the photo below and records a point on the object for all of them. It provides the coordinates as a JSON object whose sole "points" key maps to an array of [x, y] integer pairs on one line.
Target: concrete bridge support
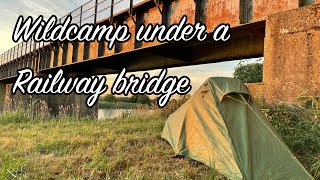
{"points": [[65, 105], [71, 105], [291, 55], [2, 95]]}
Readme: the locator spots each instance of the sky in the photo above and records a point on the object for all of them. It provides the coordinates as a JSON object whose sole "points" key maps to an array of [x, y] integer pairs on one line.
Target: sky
{"points": [[11, 9]]}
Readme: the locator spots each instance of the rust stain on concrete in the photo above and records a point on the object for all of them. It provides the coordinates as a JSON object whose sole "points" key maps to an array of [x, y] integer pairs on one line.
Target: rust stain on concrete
{"points": [[93, 49], [129, 45], [80, 52], [183, 7], [263, 8], [222, 11], [153, 16]]}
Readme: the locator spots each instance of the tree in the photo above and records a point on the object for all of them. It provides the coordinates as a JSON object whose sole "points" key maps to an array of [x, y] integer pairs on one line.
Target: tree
{"points": [[110, 98], [249, 73], [134, 98], [144, 99]]}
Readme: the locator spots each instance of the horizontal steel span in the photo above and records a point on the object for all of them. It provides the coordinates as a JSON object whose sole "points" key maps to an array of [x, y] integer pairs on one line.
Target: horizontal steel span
{"points": [[247, 18]]}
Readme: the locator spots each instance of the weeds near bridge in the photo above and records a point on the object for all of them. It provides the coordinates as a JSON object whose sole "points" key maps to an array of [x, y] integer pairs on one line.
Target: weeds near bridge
{"points": [[173, 105], [35, 109], [300, 128], [70, 111], [31, 108]]}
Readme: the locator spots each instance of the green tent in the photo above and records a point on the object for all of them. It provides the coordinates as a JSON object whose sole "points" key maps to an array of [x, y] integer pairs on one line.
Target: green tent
{"points": [[222, 127]]}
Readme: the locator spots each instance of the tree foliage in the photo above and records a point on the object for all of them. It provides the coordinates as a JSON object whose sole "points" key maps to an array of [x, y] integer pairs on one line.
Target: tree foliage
{"points": [[110, 98], [144, 99], [249, 73], [141, 99]]}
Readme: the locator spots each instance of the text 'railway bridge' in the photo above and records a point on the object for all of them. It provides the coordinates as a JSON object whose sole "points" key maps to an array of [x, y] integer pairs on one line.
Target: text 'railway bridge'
{"points": [[285, 32]]}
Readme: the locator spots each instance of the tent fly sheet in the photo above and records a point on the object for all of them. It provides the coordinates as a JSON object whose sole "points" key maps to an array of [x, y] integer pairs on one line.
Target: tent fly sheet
{"points": [[222, 127]]}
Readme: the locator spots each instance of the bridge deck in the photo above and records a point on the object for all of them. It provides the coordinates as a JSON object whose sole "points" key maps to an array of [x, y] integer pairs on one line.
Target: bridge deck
{"points": [[245, 16]]}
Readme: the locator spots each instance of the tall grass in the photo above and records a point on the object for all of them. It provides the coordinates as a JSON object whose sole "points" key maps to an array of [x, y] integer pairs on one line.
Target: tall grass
{"points": [[173, 105], [36, 109], [31, 107], [299, 126]]}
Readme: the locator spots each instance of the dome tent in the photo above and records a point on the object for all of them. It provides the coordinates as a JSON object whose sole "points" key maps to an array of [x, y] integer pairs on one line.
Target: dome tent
{"points": [[222, 127]]}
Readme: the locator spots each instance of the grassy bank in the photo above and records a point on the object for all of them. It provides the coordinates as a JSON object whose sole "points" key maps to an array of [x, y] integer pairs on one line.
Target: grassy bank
{"points": [[123, 148], [128, 147]]}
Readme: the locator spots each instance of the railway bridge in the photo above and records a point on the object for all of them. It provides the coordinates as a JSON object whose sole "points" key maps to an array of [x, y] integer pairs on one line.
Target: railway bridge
{"points": [[285, 32]]}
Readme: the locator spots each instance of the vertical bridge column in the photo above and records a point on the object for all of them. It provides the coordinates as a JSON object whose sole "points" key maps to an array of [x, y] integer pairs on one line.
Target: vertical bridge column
{"points": [[291, 55], [72, 104], [2, 95]]}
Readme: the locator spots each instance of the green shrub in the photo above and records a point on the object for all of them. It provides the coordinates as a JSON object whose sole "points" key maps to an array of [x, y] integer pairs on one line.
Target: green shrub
{"points": [[109, 98], [249, 73]]}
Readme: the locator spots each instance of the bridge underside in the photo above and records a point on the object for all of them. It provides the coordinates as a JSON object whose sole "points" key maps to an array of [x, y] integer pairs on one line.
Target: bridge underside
{"points": [[247, 42]]}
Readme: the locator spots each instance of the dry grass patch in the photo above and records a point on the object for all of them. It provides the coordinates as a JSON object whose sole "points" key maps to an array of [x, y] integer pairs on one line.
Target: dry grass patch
{"points": [[124, 148]]}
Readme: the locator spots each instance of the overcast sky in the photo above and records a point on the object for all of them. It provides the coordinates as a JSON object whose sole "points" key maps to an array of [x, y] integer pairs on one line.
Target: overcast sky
{"points": [[11, 9]]}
